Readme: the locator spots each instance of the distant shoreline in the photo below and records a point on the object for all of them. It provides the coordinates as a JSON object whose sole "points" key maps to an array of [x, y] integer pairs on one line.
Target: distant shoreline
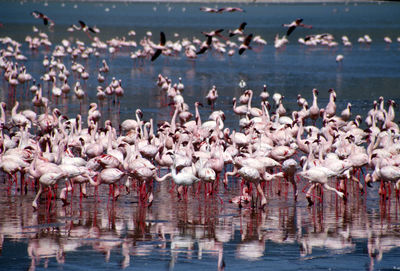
{"points": [[235, 1]]}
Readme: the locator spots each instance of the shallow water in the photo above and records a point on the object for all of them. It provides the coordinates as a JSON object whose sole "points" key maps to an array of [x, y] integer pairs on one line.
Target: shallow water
{"points": [[199, 232]]}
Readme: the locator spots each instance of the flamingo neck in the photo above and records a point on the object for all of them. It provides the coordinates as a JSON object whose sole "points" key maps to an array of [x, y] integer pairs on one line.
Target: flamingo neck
{"points": [[14, 109]]}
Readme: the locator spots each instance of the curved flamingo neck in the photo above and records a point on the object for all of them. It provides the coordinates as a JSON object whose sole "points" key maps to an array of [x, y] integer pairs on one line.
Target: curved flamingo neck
{"points": [[250, 98], [14, 109]]}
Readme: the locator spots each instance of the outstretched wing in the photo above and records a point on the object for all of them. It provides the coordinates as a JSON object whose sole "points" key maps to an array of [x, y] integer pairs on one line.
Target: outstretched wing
{"points": [[201, 51], [82, 24], [162, 38], [37, 13], [209, 40], [290, 30], [156, 54], [248, 40], [242, 26], [218, 31]]}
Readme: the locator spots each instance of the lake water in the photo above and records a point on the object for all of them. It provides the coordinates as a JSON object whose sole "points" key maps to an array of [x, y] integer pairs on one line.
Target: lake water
{"points": [[203, 233]]}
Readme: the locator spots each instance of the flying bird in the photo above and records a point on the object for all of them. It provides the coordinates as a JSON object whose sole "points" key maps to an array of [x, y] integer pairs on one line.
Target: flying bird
{"points": [[213, 33], [246, 44], [230, 9], [46, 20], [210, 10], [205, 45], [159, 47], [238, 31], [85, 28], [292, 26]]}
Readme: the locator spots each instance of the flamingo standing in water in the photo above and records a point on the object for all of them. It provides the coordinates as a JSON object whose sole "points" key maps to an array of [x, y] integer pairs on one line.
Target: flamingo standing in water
{"points": [[184, 178], [212, 96], [289, 167], [314, 109], [319, 175], [47, 179], [110, 176], [252, 175], [264, 95], [330, 109]]}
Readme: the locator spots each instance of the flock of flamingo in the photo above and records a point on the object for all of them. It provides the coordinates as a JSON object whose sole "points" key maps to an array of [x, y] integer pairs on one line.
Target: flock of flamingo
{"points": [[315, 143], [193, 47]]}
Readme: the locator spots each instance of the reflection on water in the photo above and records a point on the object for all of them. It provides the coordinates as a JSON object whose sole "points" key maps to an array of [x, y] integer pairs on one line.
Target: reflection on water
{"points": [[173, 233]]}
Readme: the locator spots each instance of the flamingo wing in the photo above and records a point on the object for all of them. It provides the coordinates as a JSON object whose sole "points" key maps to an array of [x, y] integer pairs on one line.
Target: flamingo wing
{"points": [[162, 38], [82, 24], [156, 54], [248, 40], [290, 30]]}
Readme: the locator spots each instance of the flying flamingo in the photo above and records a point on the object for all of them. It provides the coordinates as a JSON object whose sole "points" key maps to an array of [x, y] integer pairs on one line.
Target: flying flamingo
{"points": [[292, 26], [205, 45], [160, 47], [85, 28], [238, 31], [246, 44], [45, 18]]}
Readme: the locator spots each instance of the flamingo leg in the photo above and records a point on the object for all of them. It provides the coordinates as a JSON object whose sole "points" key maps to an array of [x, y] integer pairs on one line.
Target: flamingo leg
{"points": [[34, 202], [360, 186], [263, 198], [64, 193], [308, 194]]}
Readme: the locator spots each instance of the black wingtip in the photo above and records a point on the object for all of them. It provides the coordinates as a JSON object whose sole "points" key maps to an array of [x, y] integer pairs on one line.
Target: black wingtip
{"points": [[201, 51], [162, 38], [156, 55], [290, 30]]}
